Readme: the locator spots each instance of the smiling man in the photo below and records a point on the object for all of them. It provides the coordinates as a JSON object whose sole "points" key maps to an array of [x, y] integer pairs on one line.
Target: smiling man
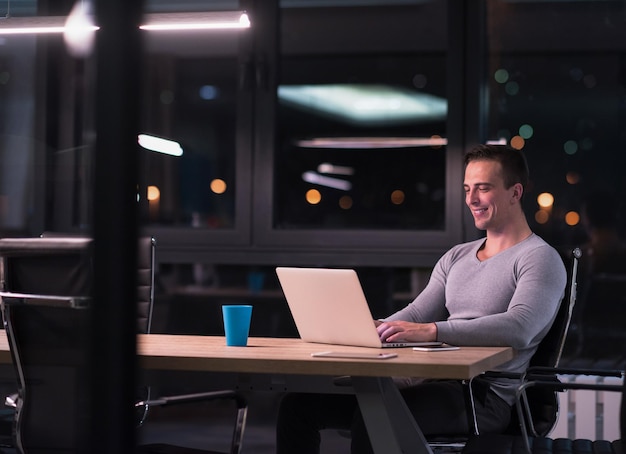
{"points": [[501, 290]]}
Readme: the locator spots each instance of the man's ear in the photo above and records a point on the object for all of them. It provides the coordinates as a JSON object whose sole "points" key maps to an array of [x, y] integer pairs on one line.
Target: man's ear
{"points": [[518, 190]]}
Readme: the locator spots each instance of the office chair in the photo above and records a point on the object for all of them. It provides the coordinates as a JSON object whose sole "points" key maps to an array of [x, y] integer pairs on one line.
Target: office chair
{"points": [[527, 443], [46, 284], [542, 403]]}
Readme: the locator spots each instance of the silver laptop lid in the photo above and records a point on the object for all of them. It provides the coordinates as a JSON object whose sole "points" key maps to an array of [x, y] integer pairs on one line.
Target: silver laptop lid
{"points": [[328, 306]]}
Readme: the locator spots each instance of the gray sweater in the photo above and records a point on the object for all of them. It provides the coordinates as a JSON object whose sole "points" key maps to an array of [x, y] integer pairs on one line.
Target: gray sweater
{"points": [[509, 299]]}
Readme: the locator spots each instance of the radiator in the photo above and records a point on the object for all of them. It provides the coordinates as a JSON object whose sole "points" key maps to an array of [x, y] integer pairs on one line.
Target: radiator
{"points": [[593, 415]]}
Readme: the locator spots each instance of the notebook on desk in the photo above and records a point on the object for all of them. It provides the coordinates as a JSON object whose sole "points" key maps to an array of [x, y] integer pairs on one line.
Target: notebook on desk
{"points": [[329, 307]]}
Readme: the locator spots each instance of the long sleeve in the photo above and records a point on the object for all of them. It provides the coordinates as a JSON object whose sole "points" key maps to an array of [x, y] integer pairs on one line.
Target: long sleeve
{"points": [[509, 299]]}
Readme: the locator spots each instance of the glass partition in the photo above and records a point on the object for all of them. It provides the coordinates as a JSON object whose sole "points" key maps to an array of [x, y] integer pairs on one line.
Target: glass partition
{"points": [[557, 92], [192, 97], [358, 149], [361, 145]]}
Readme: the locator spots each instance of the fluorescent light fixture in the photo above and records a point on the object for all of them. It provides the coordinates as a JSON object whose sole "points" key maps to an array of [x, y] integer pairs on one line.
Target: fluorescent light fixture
{"points": [[335, 183], [372, 142], [333, 169], [160, 145], [213, 20], [34, 25], [363, 104]]}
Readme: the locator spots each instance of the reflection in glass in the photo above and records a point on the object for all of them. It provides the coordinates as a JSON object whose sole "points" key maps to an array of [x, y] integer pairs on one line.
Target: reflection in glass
{"points": [[361, 145], [191, 100], [554, 96]]}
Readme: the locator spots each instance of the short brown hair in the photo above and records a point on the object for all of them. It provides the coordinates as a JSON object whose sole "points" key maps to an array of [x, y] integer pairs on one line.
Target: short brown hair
{"points": [[513, 162]]}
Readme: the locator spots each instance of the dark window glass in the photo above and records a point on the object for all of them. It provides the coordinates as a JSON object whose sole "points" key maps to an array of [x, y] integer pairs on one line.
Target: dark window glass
{"points": [[361, 131], [558, 93]]}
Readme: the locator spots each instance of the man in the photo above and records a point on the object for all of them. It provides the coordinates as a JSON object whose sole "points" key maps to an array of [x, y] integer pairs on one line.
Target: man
{"points": [[503, 289]]}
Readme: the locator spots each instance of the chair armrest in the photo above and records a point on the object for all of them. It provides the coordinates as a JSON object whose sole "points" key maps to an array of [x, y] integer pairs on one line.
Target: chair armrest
{"points": [[195, 397], [536, 373], [544, 377], [46, 300]]}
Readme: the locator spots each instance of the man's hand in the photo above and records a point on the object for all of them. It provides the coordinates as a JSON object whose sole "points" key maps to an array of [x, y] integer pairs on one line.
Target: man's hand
{"points": [[408, 331]]}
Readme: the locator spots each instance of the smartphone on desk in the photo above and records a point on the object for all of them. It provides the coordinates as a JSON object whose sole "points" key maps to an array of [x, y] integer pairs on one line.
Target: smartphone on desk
{"points": [[358, 355], [436, 348]]}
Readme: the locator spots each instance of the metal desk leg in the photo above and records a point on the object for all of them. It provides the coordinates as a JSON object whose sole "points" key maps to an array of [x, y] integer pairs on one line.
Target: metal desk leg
{"points": [[390, 425]]}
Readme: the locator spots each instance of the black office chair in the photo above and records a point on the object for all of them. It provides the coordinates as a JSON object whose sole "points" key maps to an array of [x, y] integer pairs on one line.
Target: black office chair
{"points": [[543, 403], [46, 284], [526, 443]]}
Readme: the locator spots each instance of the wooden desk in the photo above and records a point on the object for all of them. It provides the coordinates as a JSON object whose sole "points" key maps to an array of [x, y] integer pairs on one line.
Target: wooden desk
{"points": [[293, 356], [391, 426]]}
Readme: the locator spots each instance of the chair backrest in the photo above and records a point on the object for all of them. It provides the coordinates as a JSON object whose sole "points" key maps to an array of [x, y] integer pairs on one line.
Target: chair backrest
{"points": [[543, 402], [145, 278], [145, 283], [46, 291], [46, 285], [623, 412], [550, 349]]}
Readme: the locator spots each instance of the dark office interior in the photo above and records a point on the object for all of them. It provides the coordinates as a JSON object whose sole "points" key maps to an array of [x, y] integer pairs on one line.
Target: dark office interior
{"points": [[328, 133]]}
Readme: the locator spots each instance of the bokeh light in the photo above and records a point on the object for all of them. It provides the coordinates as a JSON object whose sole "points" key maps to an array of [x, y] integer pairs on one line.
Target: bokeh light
{"points": [[572, 177], [501, 76], [570, 147], [153, 193], [526, 131], [345, 202], [397, 197], [542, 216], [572, 218], [545, 200], [511, 88], [313, 196], [218, 186], [517, 142]]}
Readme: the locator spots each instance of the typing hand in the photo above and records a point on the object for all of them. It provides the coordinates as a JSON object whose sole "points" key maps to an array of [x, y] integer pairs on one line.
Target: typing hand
{"points": [[408, 331]]}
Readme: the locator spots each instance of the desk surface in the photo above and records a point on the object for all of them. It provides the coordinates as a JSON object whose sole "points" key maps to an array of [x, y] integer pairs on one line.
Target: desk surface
{"points": [[293, 356]]}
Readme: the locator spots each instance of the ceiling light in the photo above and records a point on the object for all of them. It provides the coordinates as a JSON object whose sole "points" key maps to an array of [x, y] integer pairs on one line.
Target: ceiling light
{"points": [[372, 142], [333, 169], [330, 182], [214, 20], [33, 25], [365, 104], [160, 145]]}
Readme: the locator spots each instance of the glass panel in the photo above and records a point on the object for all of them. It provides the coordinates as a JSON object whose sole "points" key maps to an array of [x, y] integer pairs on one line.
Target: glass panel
{"points": [[558, 94], [18, 145], [361, 130], [190, 97]]}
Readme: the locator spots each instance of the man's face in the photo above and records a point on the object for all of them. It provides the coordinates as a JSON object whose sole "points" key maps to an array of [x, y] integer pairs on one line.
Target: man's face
{"points": [[490, 203]]}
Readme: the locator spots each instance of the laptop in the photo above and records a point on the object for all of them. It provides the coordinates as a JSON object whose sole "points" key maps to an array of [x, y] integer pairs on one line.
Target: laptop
{"points": [[329, 307]]}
